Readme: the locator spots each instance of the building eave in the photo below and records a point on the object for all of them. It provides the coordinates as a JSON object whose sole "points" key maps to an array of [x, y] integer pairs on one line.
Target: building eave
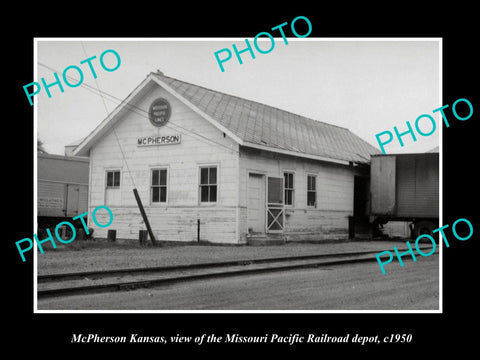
{"points": [[86, 144], [296, 154]]}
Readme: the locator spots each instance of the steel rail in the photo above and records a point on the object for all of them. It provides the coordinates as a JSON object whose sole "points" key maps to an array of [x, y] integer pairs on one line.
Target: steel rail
{"points": [[285, 263]]}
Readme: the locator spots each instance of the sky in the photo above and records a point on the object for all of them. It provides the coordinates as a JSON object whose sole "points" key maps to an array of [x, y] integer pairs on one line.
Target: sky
{"points": [[367, 86]]}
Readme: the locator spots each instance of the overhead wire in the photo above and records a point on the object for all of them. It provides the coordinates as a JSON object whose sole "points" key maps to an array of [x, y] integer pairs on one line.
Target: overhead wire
{"points": [[139, 111], [112, 127]]}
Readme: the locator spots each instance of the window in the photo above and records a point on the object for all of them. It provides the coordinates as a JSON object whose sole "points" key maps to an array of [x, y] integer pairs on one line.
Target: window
{"points": [[289, 188], [311, 190], [113, 179], [208, 184], [113, 193], [159, 186]]}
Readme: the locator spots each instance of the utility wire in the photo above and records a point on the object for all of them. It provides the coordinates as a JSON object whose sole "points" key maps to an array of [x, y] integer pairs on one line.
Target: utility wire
{"points": [[137, 110], [112, 127]]}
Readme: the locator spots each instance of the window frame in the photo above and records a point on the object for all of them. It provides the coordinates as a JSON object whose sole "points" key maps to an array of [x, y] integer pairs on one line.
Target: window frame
{"points": [[216, 184], [119, 178], [314, 176], [292, 189], [166, 186]]}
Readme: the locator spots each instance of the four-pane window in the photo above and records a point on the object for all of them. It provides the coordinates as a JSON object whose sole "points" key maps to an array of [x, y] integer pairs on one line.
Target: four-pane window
{"points": [[113, 178], [208, 184], [311, 190], [289, 188], [159, 185]]}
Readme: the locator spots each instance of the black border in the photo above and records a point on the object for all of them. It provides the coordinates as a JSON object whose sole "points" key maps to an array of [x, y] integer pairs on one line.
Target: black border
{"points": [[433, 332]]}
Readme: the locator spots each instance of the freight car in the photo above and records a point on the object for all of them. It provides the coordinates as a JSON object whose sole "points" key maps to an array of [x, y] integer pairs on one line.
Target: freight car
{"points": [[62, 188], [405, 187]]}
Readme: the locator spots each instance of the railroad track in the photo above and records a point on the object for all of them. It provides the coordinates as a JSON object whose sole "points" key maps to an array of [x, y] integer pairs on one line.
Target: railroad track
{"points": [[89, 282]]}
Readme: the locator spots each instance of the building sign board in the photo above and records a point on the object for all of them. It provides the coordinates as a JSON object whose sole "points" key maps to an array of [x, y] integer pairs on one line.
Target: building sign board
{"points": [[159, 140]]}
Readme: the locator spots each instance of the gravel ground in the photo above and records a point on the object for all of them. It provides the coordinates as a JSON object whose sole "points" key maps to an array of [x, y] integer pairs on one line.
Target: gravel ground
{"points": [[101, 255], [349, 287]]}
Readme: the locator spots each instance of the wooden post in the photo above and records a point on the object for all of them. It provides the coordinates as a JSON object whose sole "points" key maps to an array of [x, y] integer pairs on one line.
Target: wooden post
{"points": [[142, 237], [351, 227], [144, 216], [198, 230], [112, 235]]}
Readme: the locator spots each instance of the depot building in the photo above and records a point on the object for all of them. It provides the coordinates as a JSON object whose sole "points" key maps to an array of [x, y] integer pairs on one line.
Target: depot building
{"points": [[217, 168]]}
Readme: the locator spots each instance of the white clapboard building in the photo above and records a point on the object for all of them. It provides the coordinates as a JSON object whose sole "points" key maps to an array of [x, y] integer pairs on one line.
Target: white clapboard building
{"points": [[239, 169]]}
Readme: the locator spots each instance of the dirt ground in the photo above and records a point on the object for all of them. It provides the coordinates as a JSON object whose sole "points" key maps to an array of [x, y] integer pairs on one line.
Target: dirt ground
{"points": [[358, 286], [102, 255]]}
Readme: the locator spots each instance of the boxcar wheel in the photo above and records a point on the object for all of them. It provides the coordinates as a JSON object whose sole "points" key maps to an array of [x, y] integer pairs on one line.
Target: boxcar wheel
{"points": [[425, 227]]}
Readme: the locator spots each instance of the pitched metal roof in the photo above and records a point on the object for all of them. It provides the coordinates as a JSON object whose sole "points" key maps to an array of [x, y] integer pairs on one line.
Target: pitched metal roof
{"points": [[268, 127], [250, 123]]}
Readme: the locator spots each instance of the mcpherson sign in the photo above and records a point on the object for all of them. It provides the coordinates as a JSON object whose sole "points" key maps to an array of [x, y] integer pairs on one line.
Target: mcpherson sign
{"points": [[159, 140]]}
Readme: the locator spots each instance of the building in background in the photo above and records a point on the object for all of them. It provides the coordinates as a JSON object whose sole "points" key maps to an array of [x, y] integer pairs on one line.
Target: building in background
{"points": [[70, 147]]}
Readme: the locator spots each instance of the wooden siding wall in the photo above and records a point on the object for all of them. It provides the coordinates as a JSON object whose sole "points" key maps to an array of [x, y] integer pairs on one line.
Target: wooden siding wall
{"points": [[177, 219], [335, 184]]}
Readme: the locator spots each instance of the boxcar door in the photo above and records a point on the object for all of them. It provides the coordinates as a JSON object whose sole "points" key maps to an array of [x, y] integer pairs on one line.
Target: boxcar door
{"points": [[73, 198]]}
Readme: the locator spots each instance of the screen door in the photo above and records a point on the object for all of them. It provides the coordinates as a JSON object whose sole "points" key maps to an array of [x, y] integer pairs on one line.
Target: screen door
{"points": [[275, 205]]}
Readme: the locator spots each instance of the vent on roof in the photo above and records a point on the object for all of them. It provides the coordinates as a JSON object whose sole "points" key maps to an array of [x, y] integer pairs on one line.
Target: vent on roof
{"points": [[160, 73]]}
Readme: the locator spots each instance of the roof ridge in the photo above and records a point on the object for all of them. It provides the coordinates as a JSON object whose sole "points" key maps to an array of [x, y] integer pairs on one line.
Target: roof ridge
{"points": [[247, 119], [252, 101]]}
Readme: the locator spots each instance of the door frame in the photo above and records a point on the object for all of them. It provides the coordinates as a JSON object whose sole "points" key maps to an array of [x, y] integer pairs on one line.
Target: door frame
{"points": [[262, 204], [276, 206]]}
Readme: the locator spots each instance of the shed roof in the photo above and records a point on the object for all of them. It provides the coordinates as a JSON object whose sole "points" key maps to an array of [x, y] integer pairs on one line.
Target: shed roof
{"points": [[262, 126]]}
